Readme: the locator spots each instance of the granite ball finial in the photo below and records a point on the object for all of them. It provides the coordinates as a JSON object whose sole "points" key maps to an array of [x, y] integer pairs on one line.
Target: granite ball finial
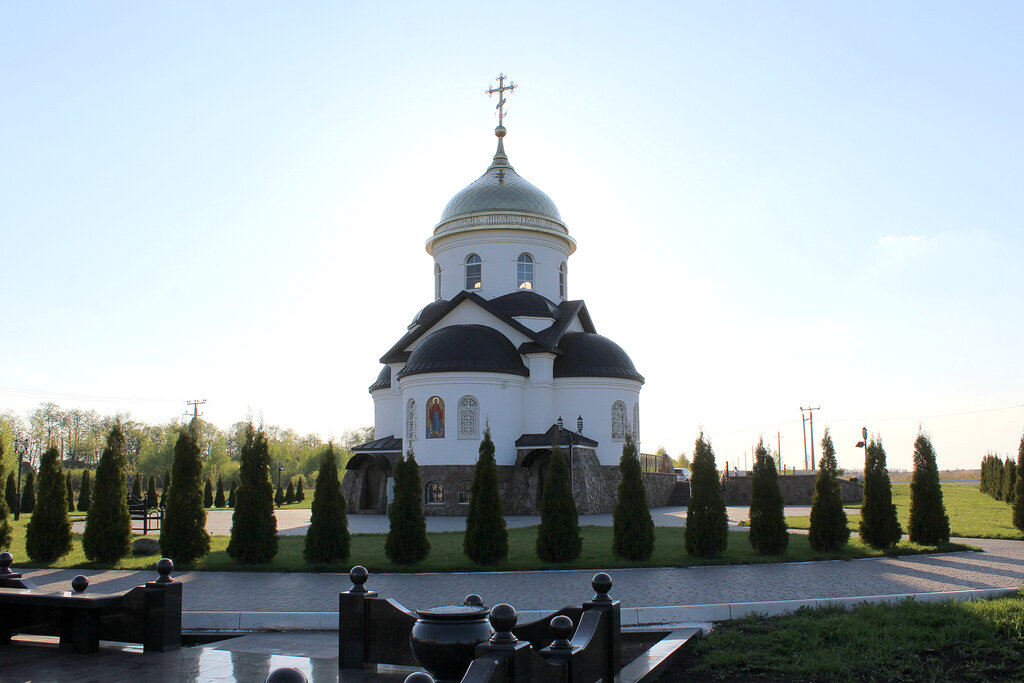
{"points": [[602, 583], [419, 677], [164, 568], [503, 618], [562, 627], [473, 600], [6, 560], [287, 674], [358, 576], [79, 583]]}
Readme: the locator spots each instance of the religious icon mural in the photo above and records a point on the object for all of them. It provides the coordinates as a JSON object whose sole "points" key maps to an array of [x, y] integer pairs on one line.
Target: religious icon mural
{"points": [[435, 417]]}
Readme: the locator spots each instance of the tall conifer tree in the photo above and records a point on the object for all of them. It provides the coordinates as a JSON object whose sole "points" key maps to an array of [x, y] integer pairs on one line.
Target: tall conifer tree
{"points": [[207, 493], [137, 486], [328, 539], [85, 492], [11, 492], [28, 492], [48, 536], [70, 492], [253, 524], [6, 532], [879, 526], [632, 526], [152, 499], [108, 524], [928, 524], [707, 525], [829, 526], [768, 533], [558, 537], [183, 536], [486, 538], [218, 500], [406, 541], [1018, 489]]}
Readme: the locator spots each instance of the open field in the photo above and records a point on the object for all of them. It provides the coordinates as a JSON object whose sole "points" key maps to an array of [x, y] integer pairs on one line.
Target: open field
{"points": [[912, 641], [972, 514], [447, 554]]}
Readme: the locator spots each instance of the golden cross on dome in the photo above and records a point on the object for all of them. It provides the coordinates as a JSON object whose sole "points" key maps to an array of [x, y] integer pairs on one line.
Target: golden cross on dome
{"points": [[501, 93]]}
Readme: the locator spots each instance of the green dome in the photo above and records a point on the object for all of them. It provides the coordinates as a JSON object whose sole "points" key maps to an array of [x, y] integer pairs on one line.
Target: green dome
{"points": [[500, 189]]}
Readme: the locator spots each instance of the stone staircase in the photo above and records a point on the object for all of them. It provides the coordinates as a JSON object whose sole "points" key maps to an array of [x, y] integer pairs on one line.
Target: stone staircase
{"points": [[680, 496]]}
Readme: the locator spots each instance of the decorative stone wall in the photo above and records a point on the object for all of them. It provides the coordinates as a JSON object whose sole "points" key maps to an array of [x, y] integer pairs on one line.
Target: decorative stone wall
{"points": [[594, 487], [796, 489]]}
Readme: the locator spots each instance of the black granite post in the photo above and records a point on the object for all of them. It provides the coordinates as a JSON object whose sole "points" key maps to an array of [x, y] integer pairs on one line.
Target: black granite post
{"points": [[352, 621], [162, 613]]}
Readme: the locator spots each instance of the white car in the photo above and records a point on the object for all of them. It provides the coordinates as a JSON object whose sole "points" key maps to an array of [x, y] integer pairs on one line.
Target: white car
{"points": [[682, 474]]}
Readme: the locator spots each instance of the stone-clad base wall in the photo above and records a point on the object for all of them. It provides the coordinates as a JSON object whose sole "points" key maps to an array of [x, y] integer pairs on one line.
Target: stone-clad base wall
{"points": [[796, 489], [594, 487]]}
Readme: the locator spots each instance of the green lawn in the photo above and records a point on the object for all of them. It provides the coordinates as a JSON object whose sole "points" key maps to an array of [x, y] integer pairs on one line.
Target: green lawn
{"points": [[972, 514], [912, 641], [447, 555]]}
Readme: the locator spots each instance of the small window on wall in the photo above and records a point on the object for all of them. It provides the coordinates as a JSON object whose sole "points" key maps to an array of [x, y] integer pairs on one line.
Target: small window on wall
{"points": [[434, 493], [524, 271], [464, 489], [636, 422], [474, 268], [618, 420], [410, 420], [437, 281], [469, 410], [561, 279], [435, 417]]}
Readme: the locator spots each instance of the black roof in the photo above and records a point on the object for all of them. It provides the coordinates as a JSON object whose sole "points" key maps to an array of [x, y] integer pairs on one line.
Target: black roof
{"points": [[524, 303], [465, 348], [383, 380], [384, 444], [565, 438], [587, 354]]}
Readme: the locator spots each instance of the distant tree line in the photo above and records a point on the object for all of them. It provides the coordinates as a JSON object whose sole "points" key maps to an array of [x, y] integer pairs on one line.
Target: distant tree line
{"points": [[79, 437]]}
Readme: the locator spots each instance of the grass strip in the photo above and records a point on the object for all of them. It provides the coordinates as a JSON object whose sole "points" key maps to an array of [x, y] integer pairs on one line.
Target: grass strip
{"points": [[910, 641], [447, 555]]}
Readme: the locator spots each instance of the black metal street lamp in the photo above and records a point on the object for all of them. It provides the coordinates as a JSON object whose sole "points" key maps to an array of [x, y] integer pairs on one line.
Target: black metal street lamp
{"points": [[864, 443], [20, 447]]}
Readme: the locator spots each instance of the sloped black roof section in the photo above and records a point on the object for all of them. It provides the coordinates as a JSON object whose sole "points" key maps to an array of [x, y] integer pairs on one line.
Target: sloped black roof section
{"points": [[587, 354], [522, 303], [385, 444], [465, 348], [383, 380], [564, 436]]}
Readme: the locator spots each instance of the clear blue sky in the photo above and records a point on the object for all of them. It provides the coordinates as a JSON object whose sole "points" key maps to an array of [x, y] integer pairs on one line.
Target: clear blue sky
{"points": [[777, 205]]}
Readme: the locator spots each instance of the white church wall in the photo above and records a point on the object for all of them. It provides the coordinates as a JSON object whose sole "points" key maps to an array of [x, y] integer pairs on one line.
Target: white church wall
{"points": [[499, 251], [500, 400], [593, 398], [387, 411], [539, 396]]}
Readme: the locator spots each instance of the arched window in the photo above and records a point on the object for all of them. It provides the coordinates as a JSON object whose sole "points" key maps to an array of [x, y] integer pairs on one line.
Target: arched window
{"points": [[469, 417], [618, 420], [434, 493], [437, 281], [410, 420], [474, 274], [435, 417], [464, 489], [561, 279], [524, 271], [636, 422]]}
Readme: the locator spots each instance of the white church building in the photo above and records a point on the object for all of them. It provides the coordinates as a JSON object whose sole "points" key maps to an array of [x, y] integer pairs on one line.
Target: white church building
{"points": [[502, 345]]}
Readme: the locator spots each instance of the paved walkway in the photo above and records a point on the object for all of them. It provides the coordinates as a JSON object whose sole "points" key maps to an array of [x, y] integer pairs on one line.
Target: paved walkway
{"points": [[1001, 565]]}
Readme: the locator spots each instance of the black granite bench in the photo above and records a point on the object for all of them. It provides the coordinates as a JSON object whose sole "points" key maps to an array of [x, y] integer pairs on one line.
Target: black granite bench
{"points": [[149, 614]]}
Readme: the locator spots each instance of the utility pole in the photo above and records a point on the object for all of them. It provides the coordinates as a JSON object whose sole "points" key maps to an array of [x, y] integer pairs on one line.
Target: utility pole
{"points": [[803, 424], [778, 440], [810, 418], [195, 407]]}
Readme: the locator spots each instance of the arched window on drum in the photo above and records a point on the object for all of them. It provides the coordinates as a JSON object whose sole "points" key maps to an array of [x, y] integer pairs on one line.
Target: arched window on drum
{"points": [[618, 420], [469, 418]]}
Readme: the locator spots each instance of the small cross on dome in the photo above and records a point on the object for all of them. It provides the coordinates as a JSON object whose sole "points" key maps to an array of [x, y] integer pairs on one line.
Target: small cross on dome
{"points": [[500, 130]]}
